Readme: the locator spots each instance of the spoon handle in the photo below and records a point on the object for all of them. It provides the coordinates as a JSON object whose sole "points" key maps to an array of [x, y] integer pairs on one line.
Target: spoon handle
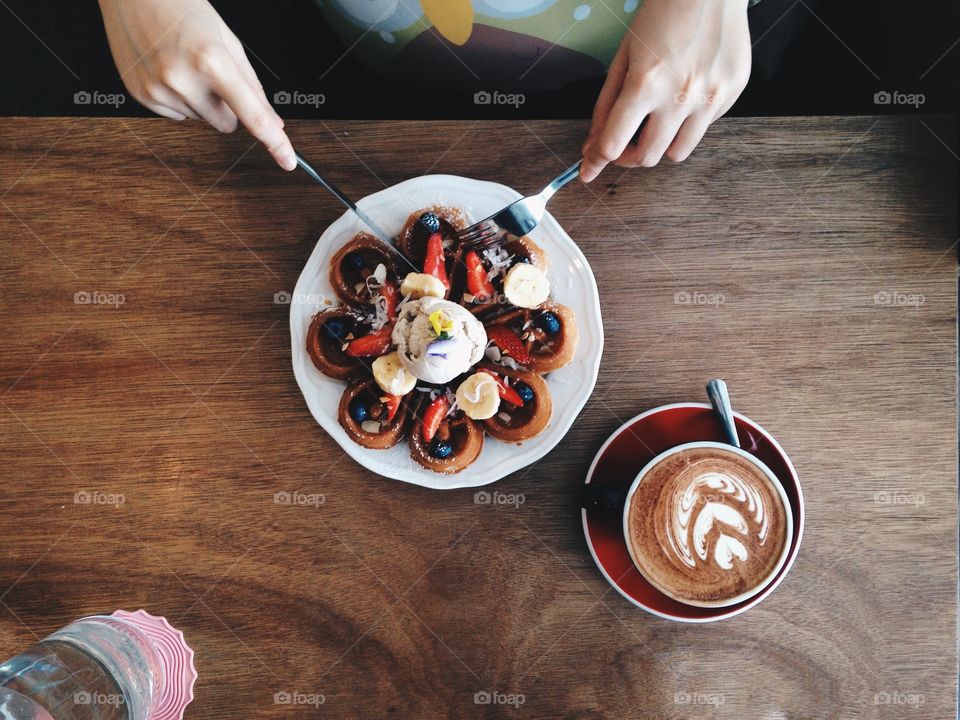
{"points": [[720, 399]]}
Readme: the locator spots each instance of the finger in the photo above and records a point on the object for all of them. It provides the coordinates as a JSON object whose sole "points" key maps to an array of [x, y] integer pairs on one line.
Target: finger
{"points": [[727, 104], [172, 100], [164, 111], [625, 117], [210, 107], [185, 110], [690, 135], [242, 62], [261, 123], [655, 138], [607, 97]]}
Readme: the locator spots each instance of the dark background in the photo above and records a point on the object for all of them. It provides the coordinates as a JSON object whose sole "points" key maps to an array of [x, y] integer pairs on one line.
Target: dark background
{"points": [[810, 58]]}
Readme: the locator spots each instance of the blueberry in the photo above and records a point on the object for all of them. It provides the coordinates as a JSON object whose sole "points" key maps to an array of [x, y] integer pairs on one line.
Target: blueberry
{"points": [[523, 259], [549, 323], [524, 391], [335, 328], [354, 261], [440, 449], [430, 221], [358, 410]]}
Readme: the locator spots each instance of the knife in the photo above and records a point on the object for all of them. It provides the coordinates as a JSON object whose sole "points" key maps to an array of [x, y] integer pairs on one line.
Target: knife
{"points": [[308, 169]]}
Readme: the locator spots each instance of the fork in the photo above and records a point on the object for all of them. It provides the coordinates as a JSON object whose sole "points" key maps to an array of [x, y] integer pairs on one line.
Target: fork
{"points": [[518, 218]]}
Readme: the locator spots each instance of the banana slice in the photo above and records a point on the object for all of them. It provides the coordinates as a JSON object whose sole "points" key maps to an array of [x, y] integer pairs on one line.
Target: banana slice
{"points": [[418, 285], [478, 396], [391, 376], [526, 286]]}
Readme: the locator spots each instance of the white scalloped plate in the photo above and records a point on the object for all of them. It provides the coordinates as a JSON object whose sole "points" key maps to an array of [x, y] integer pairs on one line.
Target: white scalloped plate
{"points": [[572, 284]]}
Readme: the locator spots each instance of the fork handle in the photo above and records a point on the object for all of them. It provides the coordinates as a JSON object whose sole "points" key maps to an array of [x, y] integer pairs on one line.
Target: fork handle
{"points": [[562, 179]]}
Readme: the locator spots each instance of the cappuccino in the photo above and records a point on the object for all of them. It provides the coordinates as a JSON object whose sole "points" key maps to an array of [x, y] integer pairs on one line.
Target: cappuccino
{"points": [[707, 525]]}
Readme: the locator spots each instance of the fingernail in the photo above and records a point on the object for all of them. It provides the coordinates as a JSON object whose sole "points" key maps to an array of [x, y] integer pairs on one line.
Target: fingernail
{"points": [[288, 161]]}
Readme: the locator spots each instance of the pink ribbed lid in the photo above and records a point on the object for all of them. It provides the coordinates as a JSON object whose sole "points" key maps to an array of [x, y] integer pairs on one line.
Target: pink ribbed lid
{"points": [[176, 658]]}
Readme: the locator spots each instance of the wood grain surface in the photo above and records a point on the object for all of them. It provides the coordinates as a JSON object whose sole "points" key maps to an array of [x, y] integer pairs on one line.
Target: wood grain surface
{"points": [[810, 262]]}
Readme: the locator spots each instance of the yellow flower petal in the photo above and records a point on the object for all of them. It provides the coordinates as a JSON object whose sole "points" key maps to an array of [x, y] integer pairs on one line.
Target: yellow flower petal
{"points": [[440, 322]]}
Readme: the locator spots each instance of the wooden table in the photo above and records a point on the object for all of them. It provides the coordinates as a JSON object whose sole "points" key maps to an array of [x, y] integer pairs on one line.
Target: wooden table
{"points": [[818, 260]]}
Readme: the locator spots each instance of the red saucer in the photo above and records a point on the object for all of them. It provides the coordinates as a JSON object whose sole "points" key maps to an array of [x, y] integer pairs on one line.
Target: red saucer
{"points": [[625, 453]]}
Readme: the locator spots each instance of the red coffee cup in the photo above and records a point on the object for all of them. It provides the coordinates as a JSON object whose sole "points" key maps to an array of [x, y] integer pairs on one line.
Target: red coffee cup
{"points": [[617, 466]]}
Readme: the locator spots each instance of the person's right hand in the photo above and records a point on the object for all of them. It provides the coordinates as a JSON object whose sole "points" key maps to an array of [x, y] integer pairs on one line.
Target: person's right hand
{"points": [[179, 59]]}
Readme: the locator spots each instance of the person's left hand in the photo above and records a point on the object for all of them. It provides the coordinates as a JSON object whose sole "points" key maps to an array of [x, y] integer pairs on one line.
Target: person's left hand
{"points": [[681, 66]]}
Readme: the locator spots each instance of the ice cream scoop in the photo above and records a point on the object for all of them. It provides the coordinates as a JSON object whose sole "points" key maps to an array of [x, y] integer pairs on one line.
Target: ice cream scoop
{"points": [[437, 340]]}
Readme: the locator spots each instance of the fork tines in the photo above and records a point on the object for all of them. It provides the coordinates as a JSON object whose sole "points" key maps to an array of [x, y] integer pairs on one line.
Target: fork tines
{"points": [[479, 234]]}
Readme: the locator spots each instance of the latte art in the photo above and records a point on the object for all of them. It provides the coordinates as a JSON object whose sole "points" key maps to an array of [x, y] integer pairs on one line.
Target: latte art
{"points": [[707, 526], [714, 498]]}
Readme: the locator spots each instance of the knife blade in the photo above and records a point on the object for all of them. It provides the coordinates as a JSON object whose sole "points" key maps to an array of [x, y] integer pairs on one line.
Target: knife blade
{"points": [[317, 177]]}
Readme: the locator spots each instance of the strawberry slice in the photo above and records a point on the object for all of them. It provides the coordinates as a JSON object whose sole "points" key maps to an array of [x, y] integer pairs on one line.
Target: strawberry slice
{"points": [[391, 296], [435, 263], [506, 392], [508, 342], [372, 345], [477, 283], [393, 404], [436, 412]]}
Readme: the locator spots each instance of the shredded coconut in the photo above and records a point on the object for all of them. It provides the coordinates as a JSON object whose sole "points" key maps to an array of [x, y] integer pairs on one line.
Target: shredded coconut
{"points": [[371, 283], [379, 318], [499, 261]]}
